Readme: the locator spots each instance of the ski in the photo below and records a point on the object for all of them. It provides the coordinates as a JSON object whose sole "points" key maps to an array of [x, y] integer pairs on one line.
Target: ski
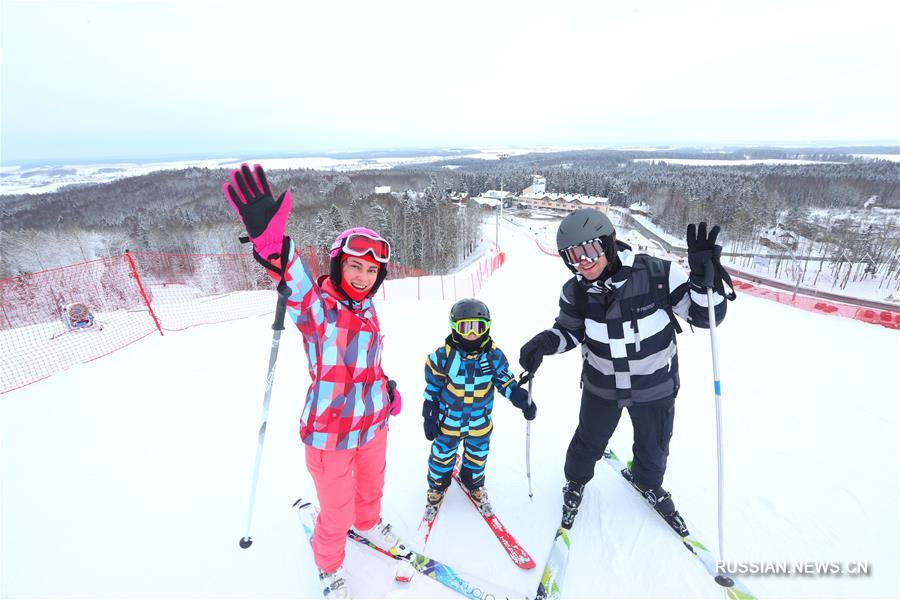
{"points": [[405, 570], [734, 589], [465, 585], [516, 552], [550, 586]]}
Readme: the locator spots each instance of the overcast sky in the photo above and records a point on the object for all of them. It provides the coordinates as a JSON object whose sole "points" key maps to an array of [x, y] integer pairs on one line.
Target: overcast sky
{"points": [[87, 80]]}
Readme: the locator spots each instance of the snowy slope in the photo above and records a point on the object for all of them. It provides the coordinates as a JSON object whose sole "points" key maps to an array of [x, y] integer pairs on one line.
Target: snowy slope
{"points": [[129, 476]]}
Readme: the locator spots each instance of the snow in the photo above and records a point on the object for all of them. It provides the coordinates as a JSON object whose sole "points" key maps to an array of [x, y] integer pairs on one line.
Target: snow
{"points": [[707, 162], [129, 476], [890, 157], [483, 200], [16, 179], [652, 227]]}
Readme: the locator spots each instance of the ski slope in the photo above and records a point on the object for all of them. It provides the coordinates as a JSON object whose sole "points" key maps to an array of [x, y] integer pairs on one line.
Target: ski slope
{"points": [[129, 476]]}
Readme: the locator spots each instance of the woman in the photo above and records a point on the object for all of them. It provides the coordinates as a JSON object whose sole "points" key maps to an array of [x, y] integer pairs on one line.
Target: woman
{"points": [[345, 416]]}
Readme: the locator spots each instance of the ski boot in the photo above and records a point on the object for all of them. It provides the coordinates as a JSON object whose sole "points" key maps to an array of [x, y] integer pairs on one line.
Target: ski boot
{"points": [[661, 501], [383, 536], [434, 498], [480, 496], [573, 492], [334, 583]]}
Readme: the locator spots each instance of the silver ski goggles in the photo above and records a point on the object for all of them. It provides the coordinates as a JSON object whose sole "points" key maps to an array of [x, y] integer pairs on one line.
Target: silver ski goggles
{"points": [[590, 251]]}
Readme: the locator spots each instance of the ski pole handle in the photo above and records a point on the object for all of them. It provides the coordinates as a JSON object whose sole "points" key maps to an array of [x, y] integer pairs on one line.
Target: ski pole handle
{"points": [[281, 307], [709, 273]]}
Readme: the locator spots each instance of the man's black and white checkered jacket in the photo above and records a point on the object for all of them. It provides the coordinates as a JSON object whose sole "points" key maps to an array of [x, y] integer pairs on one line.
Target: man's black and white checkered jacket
{"points": [[628, 343]]}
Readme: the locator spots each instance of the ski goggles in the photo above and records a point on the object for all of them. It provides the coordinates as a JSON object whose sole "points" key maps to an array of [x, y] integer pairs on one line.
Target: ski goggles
{"points": [[358, 244], [590, 251], [466, 326]]}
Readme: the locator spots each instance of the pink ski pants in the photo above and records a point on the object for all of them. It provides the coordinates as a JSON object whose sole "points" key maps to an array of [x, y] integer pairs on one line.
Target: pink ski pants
{"points": [[349, 485]]}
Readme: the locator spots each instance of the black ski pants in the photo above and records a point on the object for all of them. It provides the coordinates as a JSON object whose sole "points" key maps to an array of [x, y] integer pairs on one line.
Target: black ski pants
{"points": [[597, 420]]}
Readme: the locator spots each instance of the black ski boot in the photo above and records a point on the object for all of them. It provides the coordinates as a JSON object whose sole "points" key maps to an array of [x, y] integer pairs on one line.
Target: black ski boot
{"points": [[661, 501], [573, 492]]}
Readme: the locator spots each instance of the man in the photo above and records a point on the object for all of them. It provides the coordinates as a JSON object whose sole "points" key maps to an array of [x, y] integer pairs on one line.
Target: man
{"points": [[619, 306]]}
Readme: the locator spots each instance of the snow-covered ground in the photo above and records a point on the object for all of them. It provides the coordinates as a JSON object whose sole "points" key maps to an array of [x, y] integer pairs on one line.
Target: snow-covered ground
{"points": [[16, 179], [890, 157], [129, 476], [718, 162]]}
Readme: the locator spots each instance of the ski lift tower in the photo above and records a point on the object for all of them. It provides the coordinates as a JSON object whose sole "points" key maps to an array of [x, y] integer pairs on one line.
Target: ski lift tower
{"points": [[500, 158]]}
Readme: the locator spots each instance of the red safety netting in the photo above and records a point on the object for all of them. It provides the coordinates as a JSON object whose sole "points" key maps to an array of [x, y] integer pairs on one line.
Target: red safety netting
{"points": [[54, 319], [886, 318]]}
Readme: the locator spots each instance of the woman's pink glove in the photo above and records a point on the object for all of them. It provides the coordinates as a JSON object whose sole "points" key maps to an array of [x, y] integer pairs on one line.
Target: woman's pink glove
{"points": [[263, 217], [395, 397]]}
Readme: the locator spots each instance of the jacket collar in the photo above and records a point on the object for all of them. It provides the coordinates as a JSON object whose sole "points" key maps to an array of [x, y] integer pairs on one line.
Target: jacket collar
{"points": [[327, 286]]}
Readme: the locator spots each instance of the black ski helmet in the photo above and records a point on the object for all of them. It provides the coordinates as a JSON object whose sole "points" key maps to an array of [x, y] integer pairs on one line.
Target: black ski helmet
{"points": [[469, 308], [583, 225]]}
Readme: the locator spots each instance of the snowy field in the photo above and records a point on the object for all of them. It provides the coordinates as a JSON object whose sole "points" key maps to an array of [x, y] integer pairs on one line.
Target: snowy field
{"points": [[16, 179], [129, 477], [720, 162]]}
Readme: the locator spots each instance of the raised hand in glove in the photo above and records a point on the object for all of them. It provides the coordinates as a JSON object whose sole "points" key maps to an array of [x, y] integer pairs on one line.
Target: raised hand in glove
{"points": [[263, 216], [533, 352], [704, 258], [430, 414], [519, 399]]}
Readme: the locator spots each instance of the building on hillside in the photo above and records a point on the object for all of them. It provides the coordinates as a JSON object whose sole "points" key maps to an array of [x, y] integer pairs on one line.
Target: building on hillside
{"points": [[538, 186], [382, 189], [493, 198], [458, 197], [536, 197], [639, 208], [778, 237]]}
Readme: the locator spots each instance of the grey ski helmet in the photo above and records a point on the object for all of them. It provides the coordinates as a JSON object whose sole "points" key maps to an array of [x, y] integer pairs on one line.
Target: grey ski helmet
{"points": [[469, 308], [583, 225]]}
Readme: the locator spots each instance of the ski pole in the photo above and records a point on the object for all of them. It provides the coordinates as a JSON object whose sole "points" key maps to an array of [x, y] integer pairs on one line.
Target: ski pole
{"points": [[277, 328], [717, 388], [528, 442]]}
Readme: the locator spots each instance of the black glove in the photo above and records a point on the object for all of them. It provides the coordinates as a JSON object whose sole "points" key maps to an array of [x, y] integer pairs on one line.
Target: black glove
{"points": [[704, 258], [532, 353], [430, 414], [252, 198], [519, 399]]}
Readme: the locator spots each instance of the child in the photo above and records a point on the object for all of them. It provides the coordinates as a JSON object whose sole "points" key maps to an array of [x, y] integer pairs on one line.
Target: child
{"points": [[460, 379], [344, 419]]}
